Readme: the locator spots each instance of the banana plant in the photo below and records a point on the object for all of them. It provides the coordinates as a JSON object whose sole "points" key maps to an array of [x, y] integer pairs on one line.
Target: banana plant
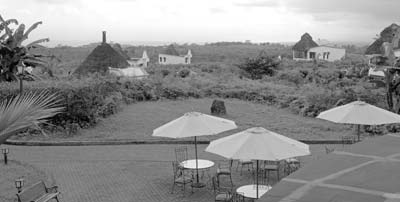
{"points": [[12, 51], [27, 110]]}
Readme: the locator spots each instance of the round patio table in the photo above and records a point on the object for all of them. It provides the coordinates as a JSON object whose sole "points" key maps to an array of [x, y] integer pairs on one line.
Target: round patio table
{"points": [[250, 191], [202, 164]]}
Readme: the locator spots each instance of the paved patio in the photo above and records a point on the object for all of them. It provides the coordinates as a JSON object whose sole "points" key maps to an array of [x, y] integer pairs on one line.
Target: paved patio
{"points": [[365, 172], [120, 173]]}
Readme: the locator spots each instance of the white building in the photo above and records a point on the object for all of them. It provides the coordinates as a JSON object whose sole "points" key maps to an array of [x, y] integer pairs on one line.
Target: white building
{"points": [[140, 62], [135, 72], [171, 56], [307, 50], [326, 53]]}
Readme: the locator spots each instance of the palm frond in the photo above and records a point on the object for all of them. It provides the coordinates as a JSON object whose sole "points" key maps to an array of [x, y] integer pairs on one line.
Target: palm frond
{"points": [[37, 42], [19, 34], [26, 110], [2, 37], [31, 28]]}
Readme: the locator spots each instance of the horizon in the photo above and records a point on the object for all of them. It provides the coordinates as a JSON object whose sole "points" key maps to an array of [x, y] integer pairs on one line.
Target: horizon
{"points": [[80, 22], [52, 44]]}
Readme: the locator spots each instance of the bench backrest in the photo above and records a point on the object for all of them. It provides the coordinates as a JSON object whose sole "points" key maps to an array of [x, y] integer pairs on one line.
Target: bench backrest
{"points": [[33, 192]]}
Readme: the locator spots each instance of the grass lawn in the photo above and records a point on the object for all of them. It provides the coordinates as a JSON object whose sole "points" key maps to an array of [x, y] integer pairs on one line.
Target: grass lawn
{"points": [[137, 121]]}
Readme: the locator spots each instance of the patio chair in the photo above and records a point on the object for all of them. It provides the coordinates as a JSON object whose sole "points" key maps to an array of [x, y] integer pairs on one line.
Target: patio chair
{"points": [[181, 154], [271, 166], [243, 163], [348, 139], [220, 193], [329, 150], [180, 178], [225, 168], [238, 197], [291, 165]]}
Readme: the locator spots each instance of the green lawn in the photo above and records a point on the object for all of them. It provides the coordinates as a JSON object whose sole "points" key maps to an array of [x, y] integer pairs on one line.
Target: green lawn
{"points": [[137, 121]]}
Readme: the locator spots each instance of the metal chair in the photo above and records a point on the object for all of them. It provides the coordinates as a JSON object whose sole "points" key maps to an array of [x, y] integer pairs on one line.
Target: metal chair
{"points": [[291, 165], [180, 178], [348, 139], [329, 150], [238, 197], [271, 166], [243, 163], [181, 154], [225, 168], [220, 193]]}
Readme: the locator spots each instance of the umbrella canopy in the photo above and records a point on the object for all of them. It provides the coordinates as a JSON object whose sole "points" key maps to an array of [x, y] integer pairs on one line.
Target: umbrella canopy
{"points": [[193, 124], [361, 113], [258, 144]]}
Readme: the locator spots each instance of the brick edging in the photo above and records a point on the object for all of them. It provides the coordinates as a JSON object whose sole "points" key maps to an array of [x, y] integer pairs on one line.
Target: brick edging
{"points": [[133, 142]]}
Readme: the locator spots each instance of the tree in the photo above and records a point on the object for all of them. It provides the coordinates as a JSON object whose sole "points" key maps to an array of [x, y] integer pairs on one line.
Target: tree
{"points": [[13, 54], [260, 66], [389, 64], [26, 110]]}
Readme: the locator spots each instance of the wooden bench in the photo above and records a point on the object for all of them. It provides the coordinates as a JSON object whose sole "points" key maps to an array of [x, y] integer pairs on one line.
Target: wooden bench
{"points": [[38, 193]]}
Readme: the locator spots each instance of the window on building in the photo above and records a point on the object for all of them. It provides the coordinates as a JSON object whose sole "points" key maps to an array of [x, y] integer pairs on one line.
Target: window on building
{"points": [[186, 60], [312, 55], [165, 59], [160, 59], [327, 55]]}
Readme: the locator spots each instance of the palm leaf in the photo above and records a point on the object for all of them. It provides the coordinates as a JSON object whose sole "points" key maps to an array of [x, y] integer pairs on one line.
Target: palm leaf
{"points": [[5, 23], [19, 34], [2, 37], [37, 42], [34, 26], [26, 110], [32, 61]]}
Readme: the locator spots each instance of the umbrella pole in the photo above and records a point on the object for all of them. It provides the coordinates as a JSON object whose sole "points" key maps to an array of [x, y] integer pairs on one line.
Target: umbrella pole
{"points": [[257, 179], [197, 184], [197, 163], [358, 132]]}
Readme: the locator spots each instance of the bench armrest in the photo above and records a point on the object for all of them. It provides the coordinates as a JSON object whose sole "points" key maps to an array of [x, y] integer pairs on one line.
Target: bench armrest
{"points": [[52, 189]]}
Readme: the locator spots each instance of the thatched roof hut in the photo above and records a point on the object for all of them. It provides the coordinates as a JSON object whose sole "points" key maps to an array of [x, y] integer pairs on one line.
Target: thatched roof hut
{"points": [[171, 50], [117, 47], [102, 57], [385, 36], [306, 42]]}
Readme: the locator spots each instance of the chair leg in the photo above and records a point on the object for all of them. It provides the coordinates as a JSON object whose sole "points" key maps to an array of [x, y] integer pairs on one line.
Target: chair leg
{"points": [[184, 184], [173, 187], [278, 174]]}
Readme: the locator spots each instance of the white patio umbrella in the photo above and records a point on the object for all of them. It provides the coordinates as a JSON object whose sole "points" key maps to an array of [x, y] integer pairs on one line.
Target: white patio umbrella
{"points": [[258, 144], [193, 124], [359, 113]]}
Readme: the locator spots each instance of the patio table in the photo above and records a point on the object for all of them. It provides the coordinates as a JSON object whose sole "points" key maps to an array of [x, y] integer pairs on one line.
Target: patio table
{"points": [[250, 191], [202, 164]]}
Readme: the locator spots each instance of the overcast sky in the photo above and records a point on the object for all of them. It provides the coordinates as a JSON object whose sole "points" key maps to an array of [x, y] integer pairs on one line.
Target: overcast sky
{"points": [[81, 21]]}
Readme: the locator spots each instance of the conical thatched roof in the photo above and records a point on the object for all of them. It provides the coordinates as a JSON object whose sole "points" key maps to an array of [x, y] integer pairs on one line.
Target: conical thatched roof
{"points": [[171, 50], [306, 42], [117, 47], [102, 57], [385, 36]]}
